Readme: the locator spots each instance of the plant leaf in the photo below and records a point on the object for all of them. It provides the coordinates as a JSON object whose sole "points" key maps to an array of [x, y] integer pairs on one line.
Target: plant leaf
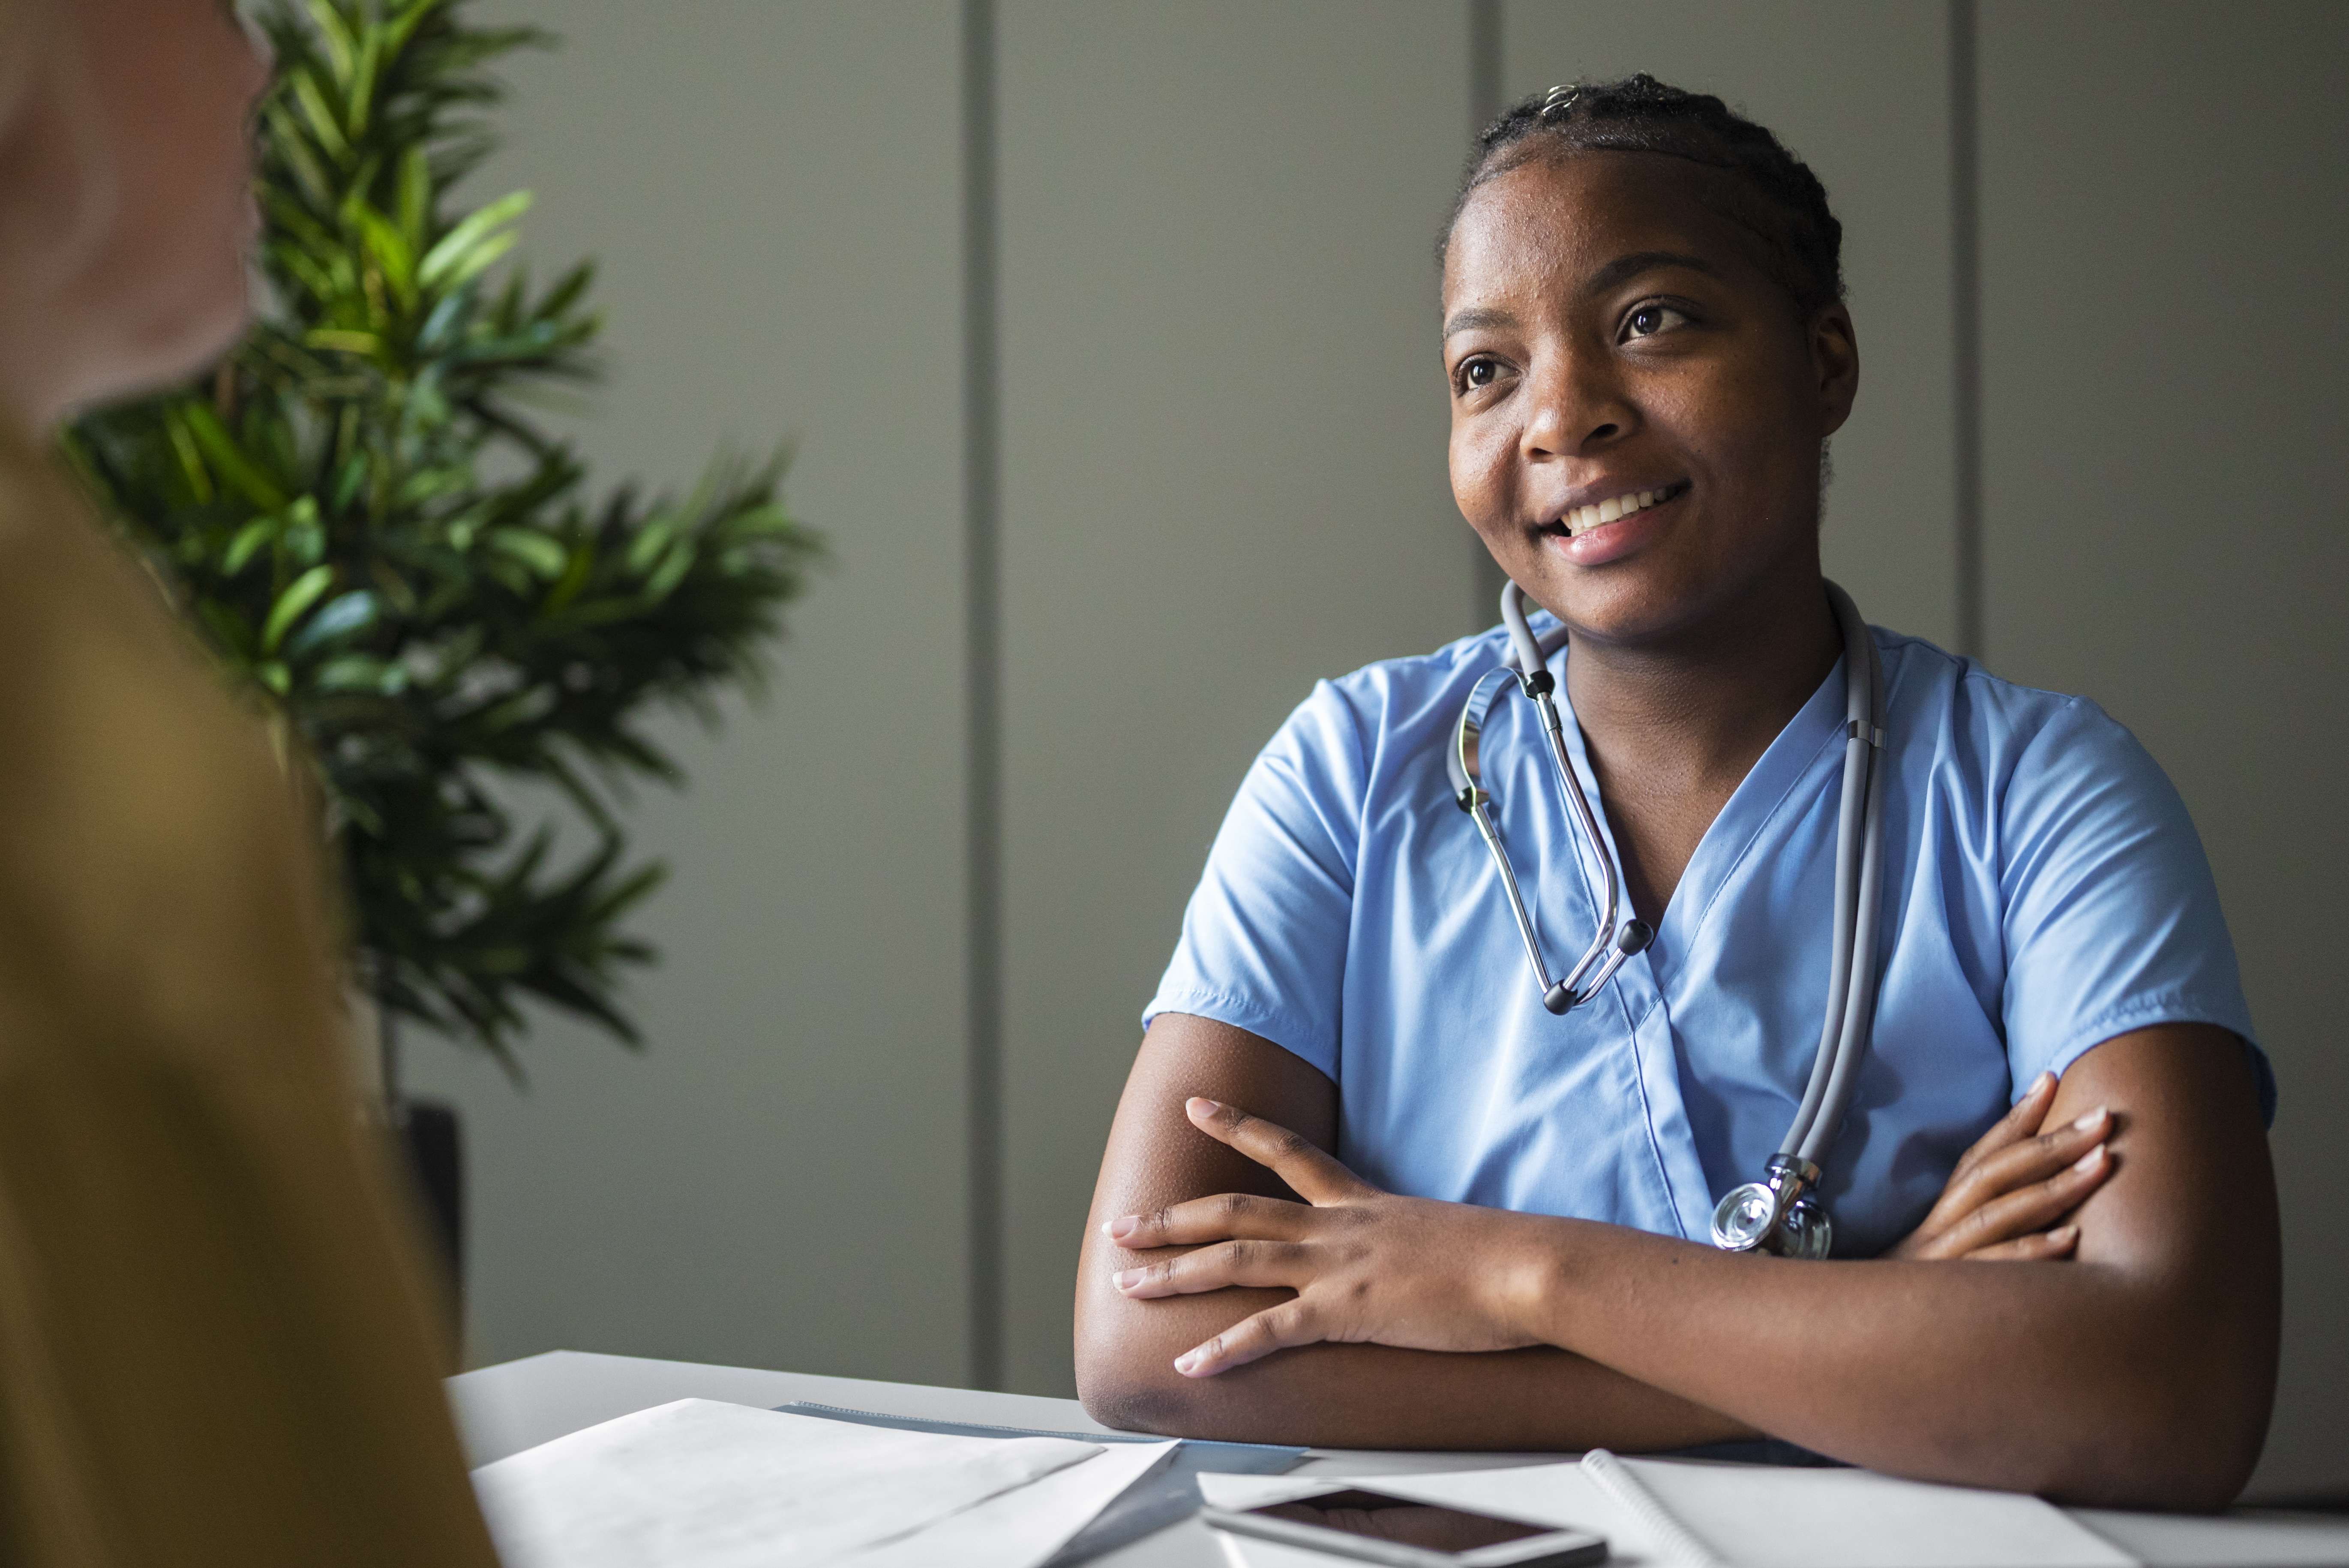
{"points": [[228, 460], [470, 232], [535, 550], [299, 595]]}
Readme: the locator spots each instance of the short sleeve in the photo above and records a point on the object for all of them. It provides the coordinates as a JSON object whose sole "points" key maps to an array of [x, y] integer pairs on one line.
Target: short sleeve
{"points": [[2112, 919], [1264, 939]]}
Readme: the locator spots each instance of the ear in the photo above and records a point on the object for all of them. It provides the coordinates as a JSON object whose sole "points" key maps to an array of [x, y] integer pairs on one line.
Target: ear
{"points": [[1835, 364]]}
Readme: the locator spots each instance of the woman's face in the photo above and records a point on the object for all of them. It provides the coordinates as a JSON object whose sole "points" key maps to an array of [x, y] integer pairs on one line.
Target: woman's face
{"points": [[128, 171], [1608, 338]]}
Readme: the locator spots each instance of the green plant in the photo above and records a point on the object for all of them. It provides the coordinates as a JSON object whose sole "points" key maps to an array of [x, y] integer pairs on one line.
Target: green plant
{"points": [[392, 557]]}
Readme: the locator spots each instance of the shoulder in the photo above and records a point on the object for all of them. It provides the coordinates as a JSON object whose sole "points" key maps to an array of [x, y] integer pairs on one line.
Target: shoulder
{"points": [[1358, 744], [1994, 738], [152, 861], [1396, 704]]}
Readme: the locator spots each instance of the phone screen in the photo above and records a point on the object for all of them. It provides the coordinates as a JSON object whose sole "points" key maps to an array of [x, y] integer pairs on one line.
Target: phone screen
{"points": [[1359, 1512]]}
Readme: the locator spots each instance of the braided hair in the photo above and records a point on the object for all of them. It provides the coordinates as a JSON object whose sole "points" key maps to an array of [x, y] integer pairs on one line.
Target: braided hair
{"points": [[1760, 187]]}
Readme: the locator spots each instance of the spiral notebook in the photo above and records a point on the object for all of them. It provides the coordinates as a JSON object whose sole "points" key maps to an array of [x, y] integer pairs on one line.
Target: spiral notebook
{"points": [[1676, 1513]]}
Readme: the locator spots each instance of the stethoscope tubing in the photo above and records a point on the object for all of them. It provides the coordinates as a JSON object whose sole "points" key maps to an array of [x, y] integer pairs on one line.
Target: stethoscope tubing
{"points": [[1858, 877], [1858, 889], [1531, 655]]}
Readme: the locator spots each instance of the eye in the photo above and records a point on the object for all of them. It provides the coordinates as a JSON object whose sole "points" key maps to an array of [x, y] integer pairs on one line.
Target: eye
{"points": [[1651, 319], [1477, 372]]}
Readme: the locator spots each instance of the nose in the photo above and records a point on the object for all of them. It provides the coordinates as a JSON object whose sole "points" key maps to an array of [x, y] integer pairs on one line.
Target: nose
{"points": [[1578, 404]]}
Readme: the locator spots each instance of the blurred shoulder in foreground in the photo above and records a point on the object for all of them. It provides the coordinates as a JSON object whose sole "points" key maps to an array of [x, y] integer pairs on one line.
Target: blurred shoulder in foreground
{"points": [[214, 1345]]}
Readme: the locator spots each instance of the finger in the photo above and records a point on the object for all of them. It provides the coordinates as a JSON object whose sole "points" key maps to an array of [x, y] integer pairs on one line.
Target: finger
{"points": [[1224, 1217], [1974, 1218], [1251, 1339], [1311, 1174], [1257, 1263], [2016, 1166], [2035, 1247], [2033, 1159], [2021, 1119], [2034, 1207]]}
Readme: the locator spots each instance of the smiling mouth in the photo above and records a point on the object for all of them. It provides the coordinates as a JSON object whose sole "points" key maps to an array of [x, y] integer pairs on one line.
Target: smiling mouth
{"points": [[1583, 518]]}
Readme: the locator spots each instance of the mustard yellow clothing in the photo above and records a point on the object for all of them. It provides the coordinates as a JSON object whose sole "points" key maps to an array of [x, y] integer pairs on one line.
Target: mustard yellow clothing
{"points": [[215, 1346]]}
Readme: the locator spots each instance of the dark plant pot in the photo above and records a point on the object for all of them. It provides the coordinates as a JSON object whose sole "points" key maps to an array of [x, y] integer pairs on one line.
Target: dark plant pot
{"points": [[432, 1147]]}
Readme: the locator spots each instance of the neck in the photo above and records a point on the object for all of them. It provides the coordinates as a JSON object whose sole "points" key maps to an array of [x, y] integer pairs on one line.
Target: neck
{"points": [[1704, 703]]}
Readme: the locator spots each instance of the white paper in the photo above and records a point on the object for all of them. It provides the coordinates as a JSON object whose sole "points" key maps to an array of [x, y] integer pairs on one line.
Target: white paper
{"points": [[700, 1484], [1022, 1529], [1763, 1516], [1755, 1516]]}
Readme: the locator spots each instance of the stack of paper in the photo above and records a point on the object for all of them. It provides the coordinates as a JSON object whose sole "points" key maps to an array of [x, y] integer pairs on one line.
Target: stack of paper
{"points": [[1686, 1515], [699, 1484]]}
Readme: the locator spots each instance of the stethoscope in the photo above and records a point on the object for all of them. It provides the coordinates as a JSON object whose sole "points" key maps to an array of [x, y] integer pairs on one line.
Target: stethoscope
{"points": [[1778, 1213]]}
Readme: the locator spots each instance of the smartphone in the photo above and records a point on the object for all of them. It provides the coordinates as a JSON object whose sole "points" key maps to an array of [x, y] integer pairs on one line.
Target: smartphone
{"points": [[1374, 1527]]}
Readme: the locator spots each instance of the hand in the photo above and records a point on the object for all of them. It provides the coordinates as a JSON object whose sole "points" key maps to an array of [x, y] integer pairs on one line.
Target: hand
{"points": [[1366, 1265], [2015, 1182]]}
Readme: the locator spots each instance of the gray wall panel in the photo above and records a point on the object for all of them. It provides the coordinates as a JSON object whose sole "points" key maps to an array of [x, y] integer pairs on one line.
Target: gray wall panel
{"points": [[771, 188], [1861, 91], [1223, 477], [2165, 526]]}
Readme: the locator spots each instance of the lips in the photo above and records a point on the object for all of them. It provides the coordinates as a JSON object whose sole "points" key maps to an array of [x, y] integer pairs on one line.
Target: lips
{"points": [[1581, 520]]}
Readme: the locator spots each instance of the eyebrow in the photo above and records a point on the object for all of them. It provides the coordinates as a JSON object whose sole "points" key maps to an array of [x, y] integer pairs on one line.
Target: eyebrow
{"points": [[1614, 274], [1623, 269], [1478, 316]]}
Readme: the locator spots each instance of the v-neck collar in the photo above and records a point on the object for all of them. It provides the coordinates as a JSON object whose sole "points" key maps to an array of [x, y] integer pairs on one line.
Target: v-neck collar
{"points": [[1797, 751]]}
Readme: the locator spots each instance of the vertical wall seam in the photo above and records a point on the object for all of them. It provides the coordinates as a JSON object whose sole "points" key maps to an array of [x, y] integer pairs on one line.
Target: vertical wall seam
{"points": [[1965, 288], [983, 692], [1486, 73]]}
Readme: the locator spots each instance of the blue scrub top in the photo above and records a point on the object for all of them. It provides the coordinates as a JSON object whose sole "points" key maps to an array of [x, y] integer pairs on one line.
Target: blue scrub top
{"points": [[2044, 891]]}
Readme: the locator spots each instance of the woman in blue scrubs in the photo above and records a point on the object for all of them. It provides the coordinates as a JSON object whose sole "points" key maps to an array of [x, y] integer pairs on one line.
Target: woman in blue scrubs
{"points": [[1365, 1191]]}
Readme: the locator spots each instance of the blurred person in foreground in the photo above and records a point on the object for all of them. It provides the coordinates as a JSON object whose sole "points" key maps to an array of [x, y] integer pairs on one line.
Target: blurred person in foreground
{"points": [[214, 1345]]}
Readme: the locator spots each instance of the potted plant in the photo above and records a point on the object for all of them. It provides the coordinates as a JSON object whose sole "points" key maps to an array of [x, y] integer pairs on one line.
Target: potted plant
{"points": [[402, 570]]}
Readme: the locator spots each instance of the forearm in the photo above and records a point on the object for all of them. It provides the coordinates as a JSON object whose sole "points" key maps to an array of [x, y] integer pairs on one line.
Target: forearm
{"points": [[2140, 1372], [2073, 1380], [1335, 1396], [1366, 1395]]}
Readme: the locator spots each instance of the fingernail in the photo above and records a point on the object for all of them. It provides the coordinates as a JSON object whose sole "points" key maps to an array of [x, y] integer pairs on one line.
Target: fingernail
{"points": [[1120, 1229], [2064, 1235], [1199, 1105], [2091, 1160], [1126, 1279], [2044, 1081], [1188, 1360], [2090, 1120]]}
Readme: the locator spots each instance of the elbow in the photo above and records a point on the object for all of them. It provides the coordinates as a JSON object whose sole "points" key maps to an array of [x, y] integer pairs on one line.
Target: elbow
{"points": [[1126, 1378], [1117, 1390], [2207, 1435], [1113, 1382], [2189, 1449], [1120, 1402], [2173, 1466], [2205, 1453]]}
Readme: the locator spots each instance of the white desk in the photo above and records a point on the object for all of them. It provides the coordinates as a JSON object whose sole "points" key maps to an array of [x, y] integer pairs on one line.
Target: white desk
{"points": [[505, 1409]]}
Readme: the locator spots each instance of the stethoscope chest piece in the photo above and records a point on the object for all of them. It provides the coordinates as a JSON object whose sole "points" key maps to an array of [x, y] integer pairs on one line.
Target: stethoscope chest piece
{"points": [[1778, 1215]]}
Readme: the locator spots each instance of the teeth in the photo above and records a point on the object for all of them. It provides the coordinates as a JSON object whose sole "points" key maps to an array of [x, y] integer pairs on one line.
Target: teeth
{"points": [[1583, 518]]}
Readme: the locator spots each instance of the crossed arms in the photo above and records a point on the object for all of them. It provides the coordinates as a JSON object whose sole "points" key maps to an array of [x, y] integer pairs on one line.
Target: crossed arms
{"points": [[2127, 1356]]}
